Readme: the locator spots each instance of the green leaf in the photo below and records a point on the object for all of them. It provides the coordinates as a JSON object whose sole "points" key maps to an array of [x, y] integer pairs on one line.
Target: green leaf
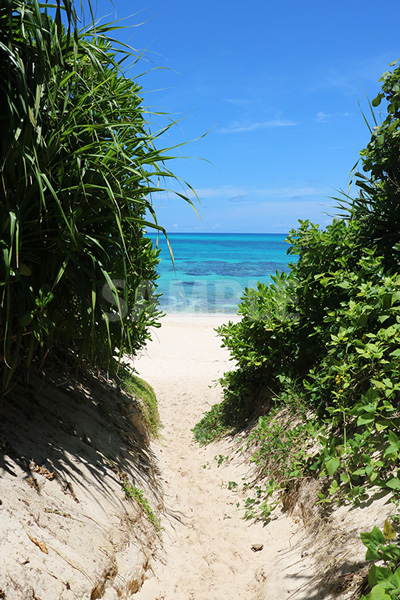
{"points": [[390, 553], [376, 101], [396, 578], [388, 382], [387, 300], [393, 484], [31, 116], [381, 425], [372, 576], [332, 465], [333, 488], [374, 537], [365, 419], [394, 440], [372, 395], [26, 319], [25, 270], [378, 575], [369, 470], [378, 593], [359, 472], [372, 554]]}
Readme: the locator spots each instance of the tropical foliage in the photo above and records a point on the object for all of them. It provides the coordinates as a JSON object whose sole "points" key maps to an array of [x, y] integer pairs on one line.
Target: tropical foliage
{"points": [[326, 337], [383, 579], [79, 167]]}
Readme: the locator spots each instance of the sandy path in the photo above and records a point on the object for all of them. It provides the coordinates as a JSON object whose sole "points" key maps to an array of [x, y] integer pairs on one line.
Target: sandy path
{"points": [[207, 553]]}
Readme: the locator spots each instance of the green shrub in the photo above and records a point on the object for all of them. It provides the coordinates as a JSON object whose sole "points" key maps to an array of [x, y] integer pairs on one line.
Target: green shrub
{"points": [[377, 207], [331, 328], [79, 167], [221, 419], [384, 580]]}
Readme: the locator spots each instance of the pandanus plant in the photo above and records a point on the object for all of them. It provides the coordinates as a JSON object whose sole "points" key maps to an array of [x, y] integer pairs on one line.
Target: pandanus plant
{"points": [[80, 165]]}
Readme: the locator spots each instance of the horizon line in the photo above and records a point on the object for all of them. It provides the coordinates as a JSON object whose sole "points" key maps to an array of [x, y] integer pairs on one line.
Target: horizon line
{"points": [[222, 232]]}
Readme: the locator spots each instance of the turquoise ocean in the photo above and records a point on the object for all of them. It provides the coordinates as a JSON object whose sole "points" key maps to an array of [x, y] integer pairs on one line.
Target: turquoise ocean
{"points": [[211, 270]]}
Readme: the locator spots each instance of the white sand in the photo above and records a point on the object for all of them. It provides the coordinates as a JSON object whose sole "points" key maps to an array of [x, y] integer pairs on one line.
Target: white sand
{"points": [[97, 541], [67, 532], [206, 543], [207, 554]]}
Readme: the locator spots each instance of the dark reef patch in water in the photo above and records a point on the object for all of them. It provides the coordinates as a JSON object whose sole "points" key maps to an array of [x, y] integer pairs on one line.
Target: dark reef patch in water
{"points": [[225, 269]]}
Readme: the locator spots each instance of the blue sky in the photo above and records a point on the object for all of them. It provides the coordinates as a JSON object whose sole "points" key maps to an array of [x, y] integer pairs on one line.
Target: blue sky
{"points": [[275, 85]]}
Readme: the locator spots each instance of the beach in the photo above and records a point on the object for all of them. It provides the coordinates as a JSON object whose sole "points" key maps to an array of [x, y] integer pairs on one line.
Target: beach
{"points": [[139, 456], [207, 546], [207, 550], [71, 529]]}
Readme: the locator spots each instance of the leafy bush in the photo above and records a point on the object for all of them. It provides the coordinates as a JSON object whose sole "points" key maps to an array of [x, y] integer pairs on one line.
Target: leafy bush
{"points": [[220, 419], [79, 167], [384, 581], [331, 328], [378, 205]]}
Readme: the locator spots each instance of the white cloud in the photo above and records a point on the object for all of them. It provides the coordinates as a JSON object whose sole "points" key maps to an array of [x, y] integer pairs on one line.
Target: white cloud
{"points": [[249, 194], [225, 191], [350, 77], [323, 117], [290, 192], [237, 127], [238, 101]]}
